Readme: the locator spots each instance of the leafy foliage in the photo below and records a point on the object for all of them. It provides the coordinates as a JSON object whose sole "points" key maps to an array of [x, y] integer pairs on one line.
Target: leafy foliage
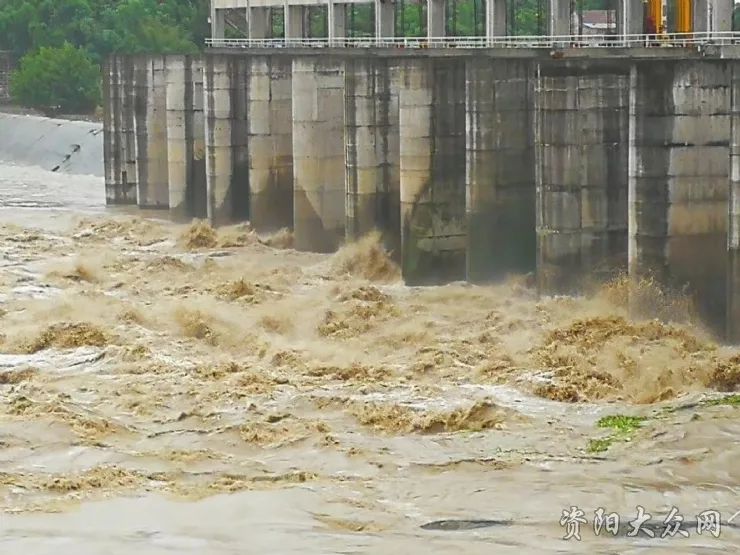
{"points": [[63, 79], [67, 39], [104, 26]]}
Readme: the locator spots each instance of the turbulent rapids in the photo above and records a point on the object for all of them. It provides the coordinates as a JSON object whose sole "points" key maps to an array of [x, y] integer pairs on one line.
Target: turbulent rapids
{"points": [[145, 365]]}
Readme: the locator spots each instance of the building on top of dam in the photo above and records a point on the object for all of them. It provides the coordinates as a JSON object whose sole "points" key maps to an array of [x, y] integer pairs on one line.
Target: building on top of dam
{"points": [[252, 20]]}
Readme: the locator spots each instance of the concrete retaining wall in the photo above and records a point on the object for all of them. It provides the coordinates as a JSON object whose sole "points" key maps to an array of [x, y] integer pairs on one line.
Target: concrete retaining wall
{"points": [[74, 147]]}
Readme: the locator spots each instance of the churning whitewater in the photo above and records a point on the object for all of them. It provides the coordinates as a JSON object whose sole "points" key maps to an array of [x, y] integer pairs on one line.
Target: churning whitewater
{"points": [[179, 388]]}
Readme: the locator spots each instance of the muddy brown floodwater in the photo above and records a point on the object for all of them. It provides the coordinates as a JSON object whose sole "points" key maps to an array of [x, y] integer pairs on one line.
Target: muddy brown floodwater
{"points": [[175, 389]]}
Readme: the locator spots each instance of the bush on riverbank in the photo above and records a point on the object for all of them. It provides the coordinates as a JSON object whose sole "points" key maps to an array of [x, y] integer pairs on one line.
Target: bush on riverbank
{"points": [[57, 80]]}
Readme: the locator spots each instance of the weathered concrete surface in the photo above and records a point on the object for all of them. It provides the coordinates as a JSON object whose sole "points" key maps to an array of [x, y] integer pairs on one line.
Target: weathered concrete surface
{"points": [[712, 15], [581, 144], [186, 138], [372, 160], [318, 153], [499, 169], [432, 170], [733, 227], [119, 142], [270, 140], [226, 130], [74, 147], [630, 17], [678, 178], [150, 124]]}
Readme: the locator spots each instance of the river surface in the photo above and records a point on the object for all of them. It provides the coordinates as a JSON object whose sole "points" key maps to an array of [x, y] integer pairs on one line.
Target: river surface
{"points": [[171, 389]]}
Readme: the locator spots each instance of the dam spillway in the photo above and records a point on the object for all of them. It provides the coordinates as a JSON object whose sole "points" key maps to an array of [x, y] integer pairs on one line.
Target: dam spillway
{"points": [[575, 164]]}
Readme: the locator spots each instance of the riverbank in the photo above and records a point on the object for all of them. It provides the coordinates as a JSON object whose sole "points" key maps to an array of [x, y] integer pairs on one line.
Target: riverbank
{"points": [[58, 145]]}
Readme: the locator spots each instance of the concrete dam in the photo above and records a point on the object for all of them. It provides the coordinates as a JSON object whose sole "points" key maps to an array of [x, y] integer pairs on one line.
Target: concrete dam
{"points": [[575, 164]]}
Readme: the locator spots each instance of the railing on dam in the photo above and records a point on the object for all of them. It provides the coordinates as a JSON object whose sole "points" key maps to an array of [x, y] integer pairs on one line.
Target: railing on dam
{"points": [[533, 41]]}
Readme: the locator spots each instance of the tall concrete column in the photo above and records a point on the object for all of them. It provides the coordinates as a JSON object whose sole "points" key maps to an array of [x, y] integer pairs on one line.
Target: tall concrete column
{"points": [[177, 136], [150, 113], [581, 148], [129, 169], [111, 131], [435, 18], [495, 18], [186, 138], [499, 169], [630, 17], [560, 18], [197, 192], [119, 131], [259, 22], [712, 16], [371, 137], [678, 177], [227, 155], [336, 22], [269, 105], [293, 20], [385, 18], [218, 23], [733, 231], [118, 188], [432, 169], [318, 153]]}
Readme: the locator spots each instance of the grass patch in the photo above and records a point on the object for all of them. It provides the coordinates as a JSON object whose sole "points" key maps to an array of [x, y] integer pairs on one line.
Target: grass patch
{"points": [[731, 400], [623, 428], [600, 445], [620, 423]]}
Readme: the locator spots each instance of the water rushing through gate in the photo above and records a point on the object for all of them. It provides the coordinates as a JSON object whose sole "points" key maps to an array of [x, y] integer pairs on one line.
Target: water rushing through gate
{"points": [[171, 389]]}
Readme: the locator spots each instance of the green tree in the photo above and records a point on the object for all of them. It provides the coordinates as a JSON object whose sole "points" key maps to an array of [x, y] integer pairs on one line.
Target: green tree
{"points": [[104, 26], [62, 79]]}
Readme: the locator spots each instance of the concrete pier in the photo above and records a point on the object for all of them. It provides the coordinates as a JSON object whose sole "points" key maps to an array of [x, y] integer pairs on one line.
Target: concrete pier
{"points": [[679, 178], [226, 129], [186, 138], [372, 151], [150, 123], [119, 141], [499, 169], [129, 174], [581, 142], [318, 153], [432, 170], [270, 140], [732, 325]]}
